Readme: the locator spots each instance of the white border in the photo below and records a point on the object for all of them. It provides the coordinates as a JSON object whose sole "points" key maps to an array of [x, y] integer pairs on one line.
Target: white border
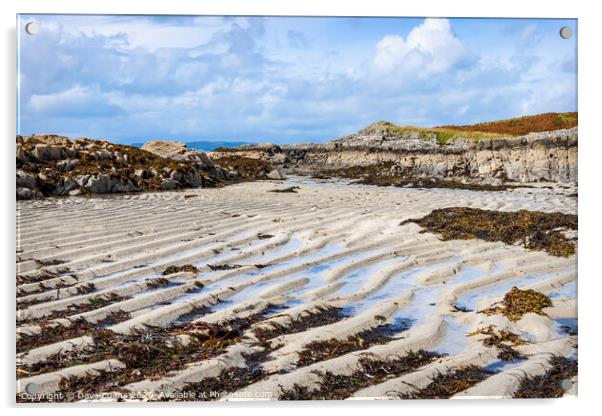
{"points": [[590, 202]]}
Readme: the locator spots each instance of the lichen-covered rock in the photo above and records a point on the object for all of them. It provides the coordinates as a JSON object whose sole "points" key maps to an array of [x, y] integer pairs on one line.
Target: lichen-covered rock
{"points": [[544, 156], [55, 165]]}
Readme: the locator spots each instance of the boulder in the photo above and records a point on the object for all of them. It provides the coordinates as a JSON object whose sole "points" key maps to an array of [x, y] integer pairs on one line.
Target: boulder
{"points": [[193, 179], [47, 152], [99, 184], [169, 184], [124, 185], [277, 174], [82, 180], [26, 180], [67, 165], [21, 155], [176, 151], [24, 193]]}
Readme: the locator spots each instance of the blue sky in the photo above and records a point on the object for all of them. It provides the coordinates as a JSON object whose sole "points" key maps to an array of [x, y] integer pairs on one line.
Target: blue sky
{"points": [[284, 79]]}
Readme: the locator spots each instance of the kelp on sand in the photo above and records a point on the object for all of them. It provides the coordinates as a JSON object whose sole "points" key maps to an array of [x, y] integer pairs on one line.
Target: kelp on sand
{"points": [[534, 230]]}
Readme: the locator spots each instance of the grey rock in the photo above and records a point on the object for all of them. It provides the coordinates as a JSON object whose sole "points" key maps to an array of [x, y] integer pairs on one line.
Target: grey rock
{"points": [[169, 184], [82, 180], [175, 175], [193, 179], [125, 185], [48, 152], [67, 165], [25, 179], [69, 184], [25, 193], [99, 184]]}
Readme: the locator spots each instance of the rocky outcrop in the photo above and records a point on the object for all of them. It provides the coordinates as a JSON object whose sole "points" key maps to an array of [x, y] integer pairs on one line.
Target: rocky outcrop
{"points": [[177, 151], [49, 165], [544, 156]]}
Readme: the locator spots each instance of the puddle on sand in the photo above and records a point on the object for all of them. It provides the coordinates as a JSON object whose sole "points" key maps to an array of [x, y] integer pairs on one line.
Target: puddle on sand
{"points": [[566, 326], [569, 290], [501, 365]]}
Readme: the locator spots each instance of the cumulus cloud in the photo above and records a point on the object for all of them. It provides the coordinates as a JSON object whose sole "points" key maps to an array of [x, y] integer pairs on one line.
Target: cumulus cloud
{"points": [[431, 46], [301, 79]]}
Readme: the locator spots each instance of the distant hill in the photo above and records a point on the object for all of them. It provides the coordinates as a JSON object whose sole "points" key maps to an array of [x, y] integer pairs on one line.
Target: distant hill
{"points": [[205, 146], [492, 129], [523, 125]]}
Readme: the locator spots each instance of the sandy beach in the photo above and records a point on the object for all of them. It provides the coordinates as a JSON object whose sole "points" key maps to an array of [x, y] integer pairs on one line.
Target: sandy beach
{"points": [[313, 281]]}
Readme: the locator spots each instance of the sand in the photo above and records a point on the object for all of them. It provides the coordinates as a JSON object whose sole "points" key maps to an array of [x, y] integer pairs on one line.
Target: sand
{"points": [[328, 244]]}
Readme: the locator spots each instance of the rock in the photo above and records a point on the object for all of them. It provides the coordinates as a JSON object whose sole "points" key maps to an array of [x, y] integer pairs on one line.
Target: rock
{"points": [[176, 151], [24, 193], [193, 179], [25, 179], [69, 184], [277, 174], [67, 165], [99, 184], [82, 180], [175, 175], [47, 152], [75, 192], [125, 185], [21, 156], [141, 173], [169, 184]]}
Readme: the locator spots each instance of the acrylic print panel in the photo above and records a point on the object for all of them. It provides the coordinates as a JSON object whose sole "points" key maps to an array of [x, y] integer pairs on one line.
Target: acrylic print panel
{"points": [[295, 208]]}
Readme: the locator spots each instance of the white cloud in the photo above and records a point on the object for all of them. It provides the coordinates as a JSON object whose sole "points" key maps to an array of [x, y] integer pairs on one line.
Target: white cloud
{"points": [[431, 46], [390, 51]]}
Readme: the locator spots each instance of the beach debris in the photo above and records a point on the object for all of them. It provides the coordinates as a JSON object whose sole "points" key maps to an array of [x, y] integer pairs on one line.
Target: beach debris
{"points": [[263, 236], [323, 315], [503, 340], [289, 190], [157, 282], [518, 302], [444, 386], [228, 381], [370, 370], [92, 303], [224, 266], [177, 269], [534, 230], [316, 351], [552, 383]]}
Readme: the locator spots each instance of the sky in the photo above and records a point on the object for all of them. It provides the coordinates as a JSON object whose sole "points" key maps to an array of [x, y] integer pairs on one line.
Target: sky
{"points": [[283, 79]]}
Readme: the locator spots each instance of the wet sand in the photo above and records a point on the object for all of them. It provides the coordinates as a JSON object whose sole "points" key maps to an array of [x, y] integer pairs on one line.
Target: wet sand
{"points": [[285, 256]]}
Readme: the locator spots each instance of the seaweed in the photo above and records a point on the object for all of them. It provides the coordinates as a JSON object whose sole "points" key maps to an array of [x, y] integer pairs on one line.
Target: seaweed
{"points": [[503, 340], [443, 386], [289, 190], [322, 316], [176, 269], [228, 381], [535, 230], [552, 383], [370, 370], [93, 303], [518, 302], [317, 351]]}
